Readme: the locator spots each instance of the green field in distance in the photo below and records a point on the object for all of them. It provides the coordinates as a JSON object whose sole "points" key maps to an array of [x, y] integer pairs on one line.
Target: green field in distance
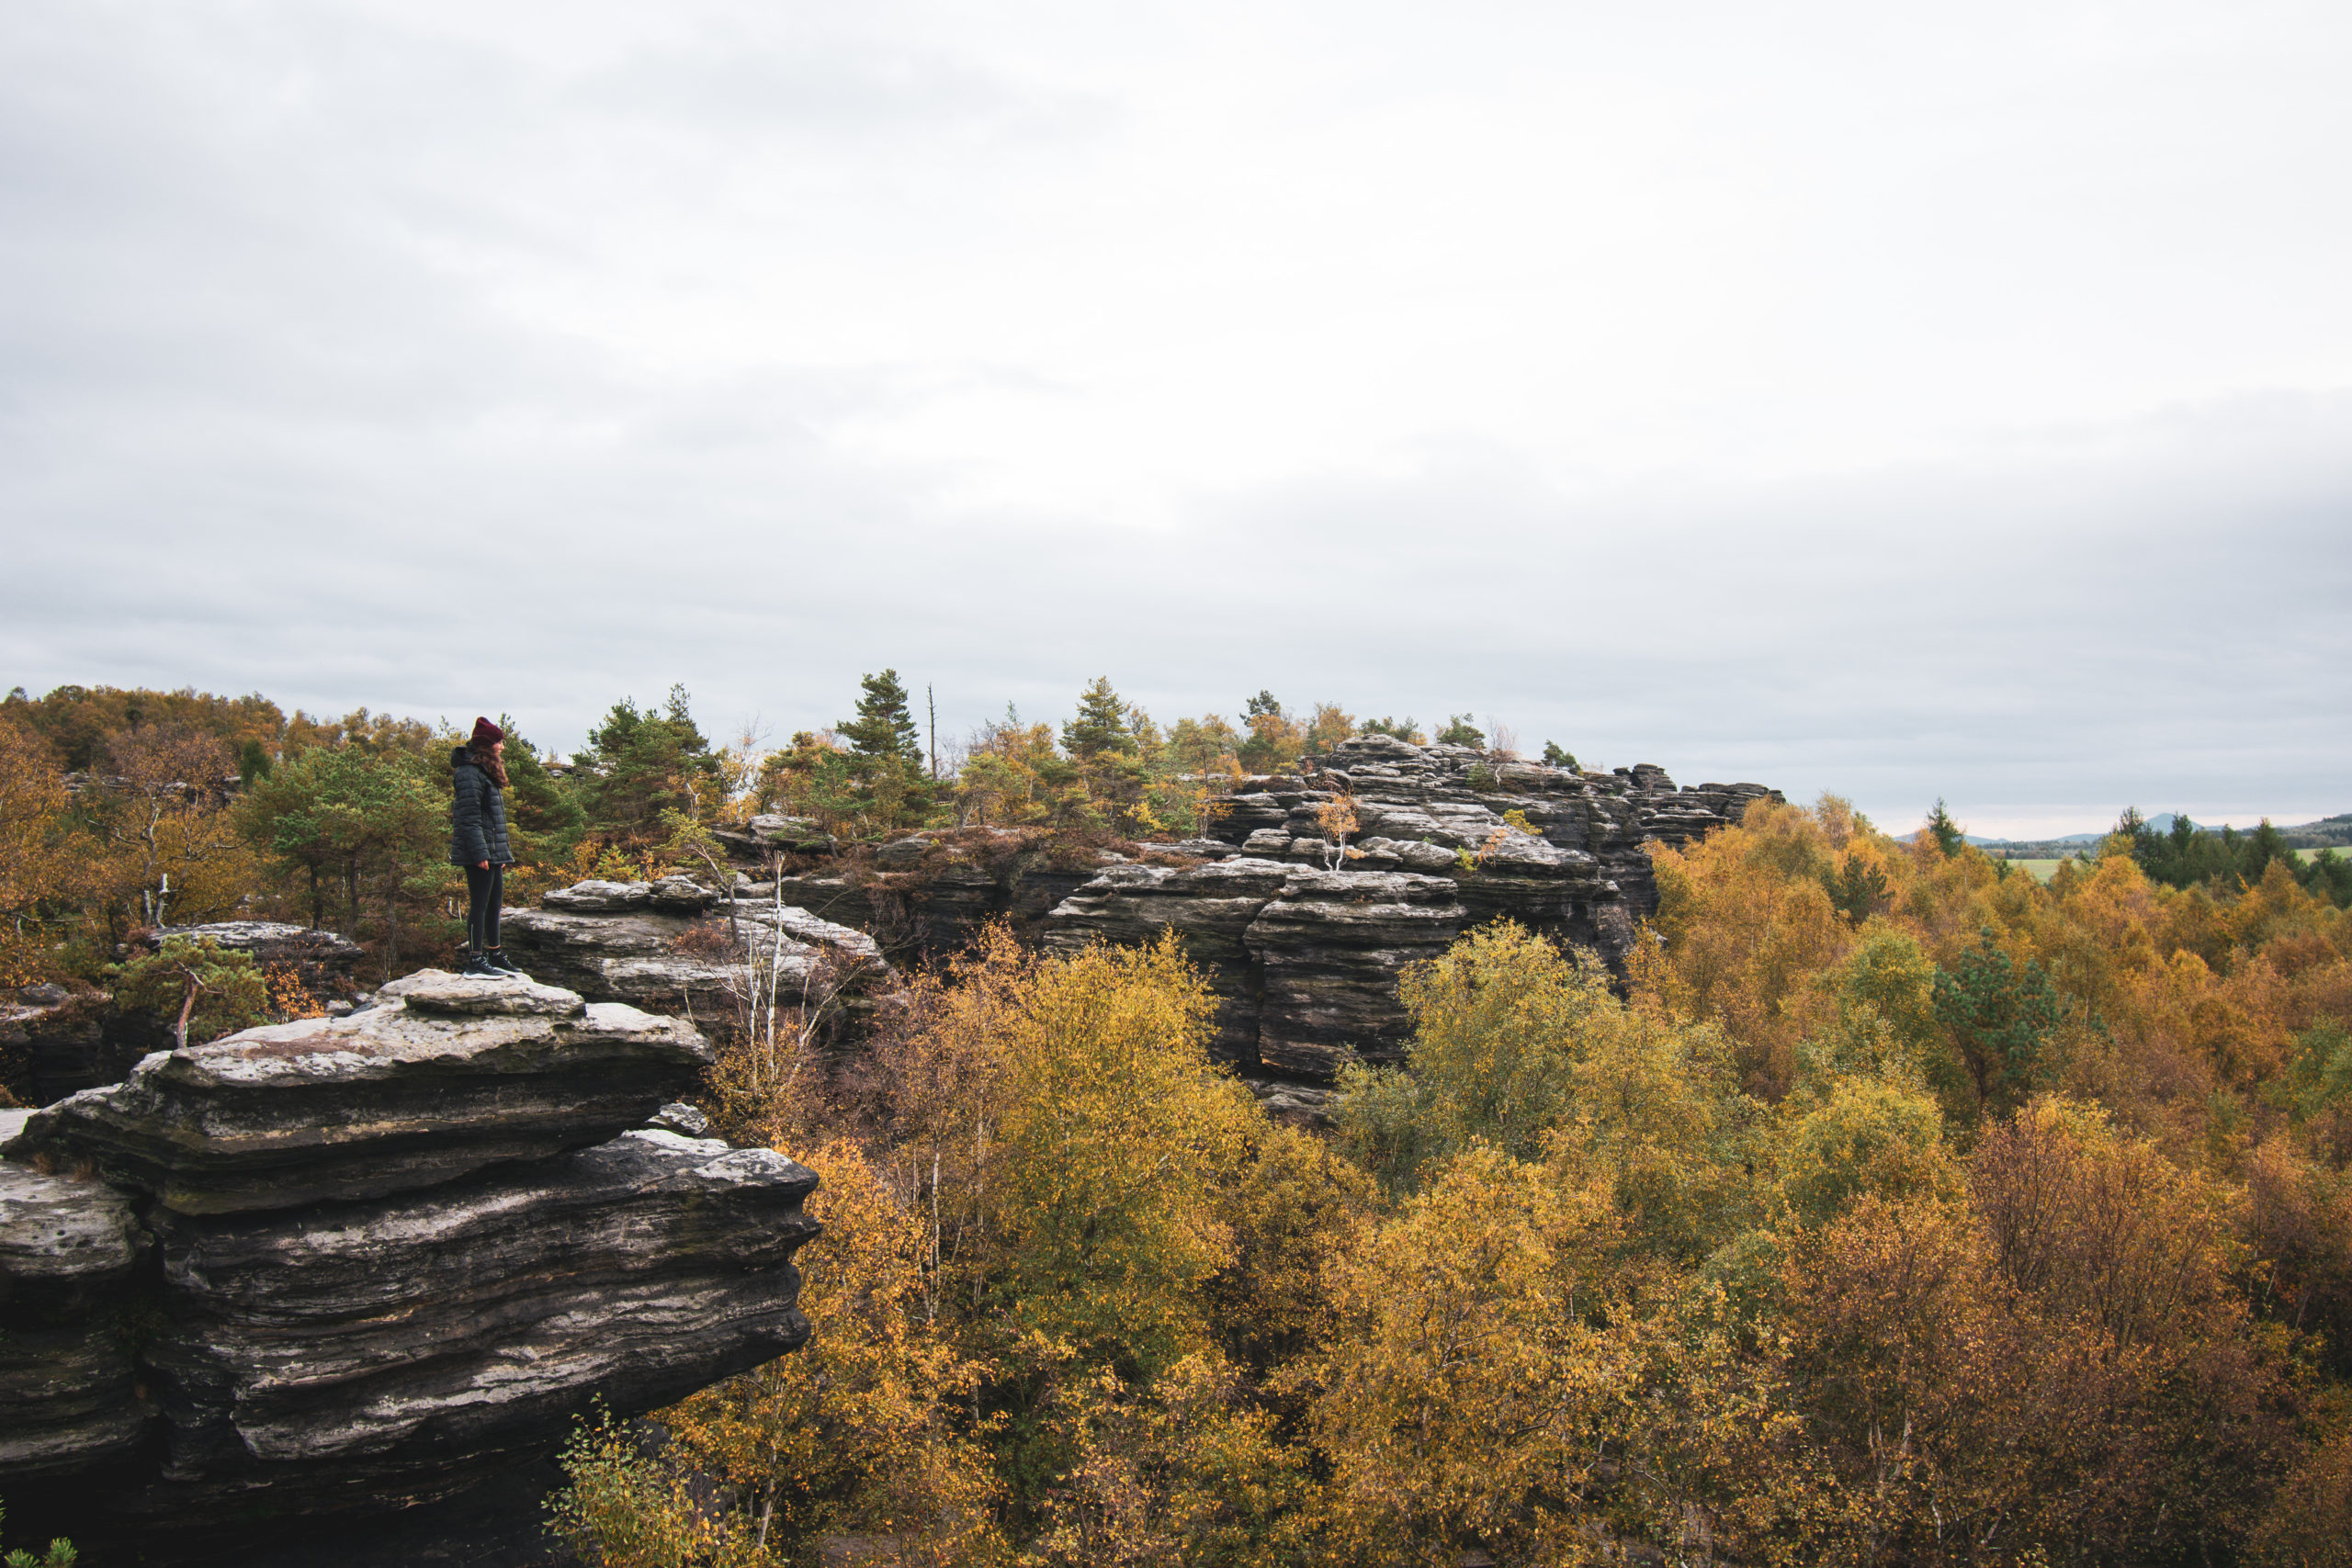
{"points": [[2042, 869]]}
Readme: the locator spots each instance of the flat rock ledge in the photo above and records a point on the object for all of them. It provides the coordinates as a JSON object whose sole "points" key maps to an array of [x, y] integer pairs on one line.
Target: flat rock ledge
{"points": [[443, 1076]]}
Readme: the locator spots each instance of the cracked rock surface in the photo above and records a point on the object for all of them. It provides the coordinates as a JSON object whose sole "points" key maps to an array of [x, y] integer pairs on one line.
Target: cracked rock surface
{"points": [[71, 1248], [1304, 939], [394, 1345], [331, 1268], [443, 1076], [614, 941]]}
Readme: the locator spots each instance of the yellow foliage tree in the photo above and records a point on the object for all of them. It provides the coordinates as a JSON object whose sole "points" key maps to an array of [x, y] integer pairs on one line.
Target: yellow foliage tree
{"points": [[855, 1433], [1477, 1375]]}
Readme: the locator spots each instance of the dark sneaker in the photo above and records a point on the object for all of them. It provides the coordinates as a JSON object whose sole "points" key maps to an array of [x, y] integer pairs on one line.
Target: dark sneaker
{"points": [[479, 967], [503, 965]]}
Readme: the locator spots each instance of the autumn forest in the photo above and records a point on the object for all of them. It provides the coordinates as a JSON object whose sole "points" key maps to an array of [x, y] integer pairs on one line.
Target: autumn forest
{"points": [[1887, 1205]]}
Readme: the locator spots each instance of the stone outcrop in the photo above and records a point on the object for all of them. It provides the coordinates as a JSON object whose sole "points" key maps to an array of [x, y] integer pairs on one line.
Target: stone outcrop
{"points": [[929, 893], [212, 1319], [1304, 939], [70, 1254], [54, 1041], [1213, 906], [1329, 952], [442, 1076], [402, 1343], [324, 962], [667, 947]]}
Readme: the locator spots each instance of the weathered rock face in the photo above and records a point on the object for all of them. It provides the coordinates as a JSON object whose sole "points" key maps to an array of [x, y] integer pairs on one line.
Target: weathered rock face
{"points": [[396, 1346], [1304, 942], [70, 1251], [323, 961], [665, 947], [53, 1041], [1212, 905], [1329, 951], [1303, 962], [441, 1077], [927, 894], [263, 1325]]}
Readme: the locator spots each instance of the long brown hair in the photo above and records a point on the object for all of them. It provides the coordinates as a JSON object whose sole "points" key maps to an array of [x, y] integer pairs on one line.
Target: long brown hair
{"points": [[487, 758]]}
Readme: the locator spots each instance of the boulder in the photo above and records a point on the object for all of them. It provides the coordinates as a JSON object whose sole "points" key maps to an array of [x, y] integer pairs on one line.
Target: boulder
{"points": [[679, 1117], [1292, 1103], [312, 1359], [71, 1250], [900, 853], [672, 894], [442, 1076], [1408, 854], [794, 833], [593, 897], [680, 895]]}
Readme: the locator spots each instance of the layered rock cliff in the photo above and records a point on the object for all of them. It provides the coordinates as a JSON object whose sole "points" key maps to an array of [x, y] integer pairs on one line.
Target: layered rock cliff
{"points": [[1303, 937], [675, 947], [354, 1263]]}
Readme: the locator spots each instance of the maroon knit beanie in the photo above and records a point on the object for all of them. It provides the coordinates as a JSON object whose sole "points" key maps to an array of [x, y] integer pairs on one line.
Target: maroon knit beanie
{"points": [[486, 734]]}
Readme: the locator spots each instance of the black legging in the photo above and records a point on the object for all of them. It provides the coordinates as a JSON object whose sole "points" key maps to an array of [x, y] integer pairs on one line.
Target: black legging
{"points": [[484, 890]]}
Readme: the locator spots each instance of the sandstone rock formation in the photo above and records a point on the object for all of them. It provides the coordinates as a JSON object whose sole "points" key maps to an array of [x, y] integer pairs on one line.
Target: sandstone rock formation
{"points": [[667, 947], [71, 1248], [929, 893], [1304, 939], [227, 1300], [400, 1344], [442, 1076]]}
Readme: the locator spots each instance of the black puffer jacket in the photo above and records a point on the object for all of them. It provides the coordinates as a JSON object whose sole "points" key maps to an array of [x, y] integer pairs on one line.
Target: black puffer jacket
{"points": [[476, 815]]}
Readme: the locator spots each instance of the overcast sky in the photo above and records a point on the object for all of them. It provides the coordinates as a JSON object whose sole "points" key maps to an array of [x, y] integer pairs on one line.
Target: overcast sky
{"points": [[1905, 401]]}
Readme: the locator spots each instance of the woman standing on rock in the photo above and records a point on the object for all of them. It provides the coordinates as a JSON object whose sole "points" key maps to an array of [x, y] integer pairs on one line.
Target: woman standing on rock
{"points": [[478, 842]]}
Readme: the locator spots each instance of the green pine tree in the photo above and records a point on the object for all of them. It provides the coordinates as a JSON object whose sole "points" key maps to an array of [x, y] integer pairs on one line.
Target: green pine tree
{"points": [[1949, 836], [2002, 1019], [1460, 731], [1101, 725], [542, 818], [639, 765], [885, 761]]}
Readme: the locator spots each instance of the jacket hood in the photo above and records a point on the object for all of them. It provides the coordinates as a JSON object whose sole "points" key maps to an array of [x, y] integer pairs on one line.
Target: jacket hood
{"points": [[463, 757]]}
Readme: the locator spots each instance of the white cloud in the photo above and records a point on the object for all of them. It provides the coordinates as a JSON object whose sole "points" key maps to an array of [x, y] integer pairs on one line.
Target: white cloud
{"points": [[1837, 396]]}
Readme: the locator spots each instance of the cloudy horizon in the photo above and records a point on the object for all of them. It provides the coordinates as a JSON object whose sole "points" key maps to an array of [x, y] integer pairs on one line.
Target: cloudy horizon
{"points": [[1898, 406]]}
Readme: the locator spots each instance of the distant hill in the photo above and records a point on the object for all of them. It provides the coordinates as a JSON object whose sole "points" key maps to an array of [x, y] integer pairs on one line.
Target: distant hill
{"points": [[2325, 833]]}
